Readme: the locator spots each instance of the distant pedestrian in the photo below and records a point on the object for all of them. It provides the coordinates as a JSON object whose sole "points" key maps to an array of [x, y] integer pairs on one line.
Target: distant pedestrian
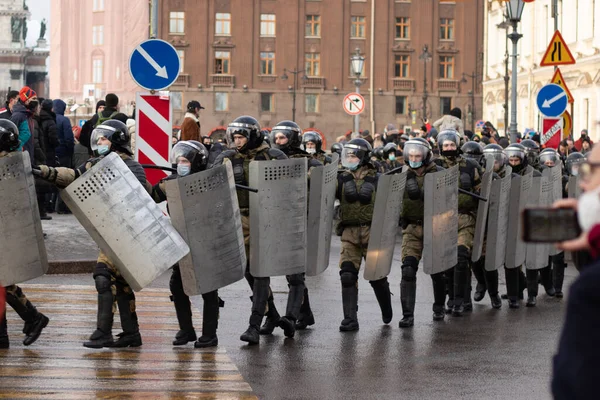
{"points": [[11, 99], [190, 128]]}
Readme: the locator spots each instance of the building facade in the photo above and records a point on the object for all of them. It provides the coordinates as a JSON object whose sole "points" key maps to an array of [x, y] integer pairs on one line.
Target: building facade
{"points": [[91, 41], [576, 21], [19, 65], [235, 52]]}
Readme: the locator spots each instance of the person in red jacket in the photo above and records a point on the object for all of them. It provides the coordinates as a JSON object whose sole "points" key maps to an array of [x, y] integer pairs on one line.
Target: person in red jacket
{"points": [[584, 136]]}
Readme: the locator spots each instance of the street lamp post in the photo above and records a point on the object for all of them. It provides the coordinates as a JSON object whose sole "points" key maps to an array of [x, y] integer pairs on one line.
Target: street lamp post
{"points": [[514, 10], [505, 25], [471, 93], [284, 77], [357, 62], [425, 56]]}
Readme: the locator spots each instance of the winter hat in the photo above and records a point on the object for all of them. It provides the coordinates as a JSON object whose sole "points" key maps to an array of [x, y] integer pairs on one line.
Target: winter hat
{"points": [[26, 93], [47, 105], [536, 138], [455, 112], [112, 101], [100, 103]]}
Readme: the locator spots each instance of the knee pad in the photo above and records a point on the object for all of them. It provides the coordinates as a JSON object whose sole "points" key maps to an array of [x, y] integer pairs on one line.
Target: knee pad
{"points": [[410, 260], [409, 273], [463, 255], [262, 283], [102, 284], [102, 269], [348, 279]]}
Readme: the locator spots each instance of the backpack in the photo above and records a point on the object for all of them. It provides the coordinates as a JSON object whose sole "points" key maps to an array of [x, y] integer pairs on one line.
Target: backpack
{"points": [[101, 119]]}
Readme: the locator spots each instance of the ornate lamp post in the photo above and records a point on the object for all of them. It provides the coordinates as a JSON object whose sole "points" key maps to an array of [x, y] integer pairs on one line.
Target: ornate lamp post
{"points": [[357, 62], [514, 10], [425, 57]]}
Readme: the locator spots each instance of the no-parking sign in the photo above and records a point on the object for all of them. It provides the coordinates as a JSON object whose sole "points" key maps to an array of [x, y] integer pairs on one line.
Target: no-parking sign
{"points": [[354, 103]]}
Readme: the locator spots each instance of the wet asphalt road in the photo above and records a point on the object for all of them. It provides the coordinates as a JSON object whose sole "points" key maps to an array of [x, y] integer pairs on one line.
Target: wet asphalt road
{"points": [[488, 354]]}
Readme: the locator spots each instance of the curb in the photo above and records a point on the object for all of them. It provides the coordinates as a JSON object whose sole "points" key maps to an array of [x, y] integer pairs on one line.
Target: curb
{"points": [[71, 267]]}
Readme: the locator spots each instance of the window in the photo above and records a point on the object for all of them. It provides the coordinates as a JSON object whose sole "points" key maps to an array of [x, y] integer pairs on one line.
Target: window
{"points": [[445, 105], [98, 5], [267, 63], [221, 101], [267, 102], [402, 28], [400, 104], [267, 24], [401, 66], [311, 103], [97, 71], [176, 22], [313, 26], [312, 64], [98, 35], [223, 24], [222, 62], [181, 54], [447, 29], [446, 67], [357, 29]]}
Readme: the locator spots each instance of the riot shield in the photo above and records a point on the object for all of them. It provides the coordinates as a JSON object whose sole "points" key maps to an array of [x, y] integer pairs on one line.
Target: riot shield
{"points": [[278, 217], [482, 210], [573, 187], [323, 181], [386, 214], [440, 228], [554, 176], [22, 245], [121, 217], [539, 196], [515, 247], [205, 211], [497, 229]]}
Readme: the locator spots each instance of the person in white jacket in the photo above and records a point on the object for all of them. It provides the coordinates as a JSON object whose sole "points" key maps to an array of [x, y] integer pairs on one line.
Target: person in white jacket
{"points": [[451, 122]]}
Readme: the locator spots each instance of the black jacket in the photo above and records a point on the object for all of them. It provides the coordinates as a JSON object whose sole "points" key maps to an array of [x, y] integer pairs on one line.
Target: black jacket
{"points": [[39, 153], [48, 135]]}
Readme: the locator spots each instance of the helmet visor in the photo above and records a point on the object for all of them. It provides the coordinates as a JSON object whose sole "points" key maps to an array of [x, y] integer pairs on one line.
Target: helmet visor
{"points": [[102, 131]]}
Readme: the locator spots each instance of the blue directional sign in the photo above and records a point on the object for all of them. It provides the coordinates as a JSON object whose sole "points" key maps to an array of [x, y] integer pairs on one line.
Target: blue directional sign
{"points": [[154, 64], [552, 100]]}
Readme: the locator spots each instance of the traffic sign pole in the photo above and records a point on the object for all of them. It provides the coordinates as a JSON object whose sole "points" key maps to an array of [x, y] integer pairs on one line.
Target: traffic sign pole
{"points": [[356, 120]]}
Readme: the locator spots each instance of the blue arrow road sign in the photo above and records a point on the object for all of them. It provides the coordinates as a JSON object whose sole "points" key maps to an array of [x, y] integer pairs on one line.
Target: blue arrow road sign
{"points": [[154, 64], [552, 100]]}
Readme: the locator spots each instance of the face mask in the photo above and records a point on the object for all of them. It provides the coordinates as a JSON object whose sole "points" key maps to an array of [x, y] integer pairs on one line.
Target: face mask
{"points": [[311, 151], [450, 153], [103, 149], [350, 166], [183, 169], [32, 105], [415, 164], [588, 210], [392, 157], [574, 171]]}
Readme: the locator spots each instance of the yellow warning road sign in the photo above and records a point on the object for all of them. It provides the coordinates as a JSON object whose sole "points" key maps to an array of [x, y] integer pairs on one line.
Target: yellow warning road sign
{"points": [[560, 81], [567, 124], [557, 52]]}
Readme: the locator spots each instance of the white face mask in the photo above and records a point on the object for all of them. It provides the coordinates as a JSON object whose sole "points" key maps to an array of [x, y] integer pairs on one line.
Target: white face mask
{"points": [[311, 151], [588, 209]]}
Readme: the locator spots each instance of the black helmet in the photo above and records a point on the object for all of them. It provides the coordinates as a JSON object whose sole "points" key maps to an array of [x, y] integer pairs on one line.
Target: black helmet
{"points": [[193, 151], [9, 135], [574, 160], [532, 151], [549, 155], [292, 132], [337, 148], [116, 132], [388, 149], [265, 134], [313, 137], [497, 152], [517, 150], [417, 146], [448, 135], [359, 148], [472, 150], [378, 153], [247, 127]]}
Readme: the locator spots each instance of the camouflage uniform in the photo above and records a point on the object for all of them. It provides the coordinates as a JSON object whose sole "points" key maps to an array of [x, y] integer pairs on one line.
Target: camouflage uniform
{"points": [[322, 157]]}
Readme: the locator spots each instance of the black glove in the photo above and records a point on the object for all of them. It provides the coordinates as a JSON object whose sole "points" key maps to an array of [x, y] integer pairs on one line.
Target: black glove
{"points": [[465, 182], [410, 174], [495, 176], [413, 190]]}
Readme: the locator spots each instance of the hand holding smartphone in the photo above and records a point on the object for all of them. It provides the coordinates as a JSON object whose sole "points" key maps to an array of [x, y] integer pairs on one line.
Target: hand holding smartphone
{"points": [[550, 225]]}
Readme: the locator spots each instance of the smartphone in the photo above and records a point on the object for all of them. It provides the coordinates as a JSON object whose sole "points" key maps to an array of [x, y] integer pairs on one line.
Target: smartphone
{"points": [[550, 225]]}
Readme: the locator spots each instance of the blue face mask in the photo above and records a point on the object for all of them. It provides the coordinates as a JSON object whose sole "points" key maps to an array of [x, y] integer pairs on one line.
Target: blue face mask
{"points": [[350, 166], [183, 169], [392, 157], [415, 164], [103, 149]]}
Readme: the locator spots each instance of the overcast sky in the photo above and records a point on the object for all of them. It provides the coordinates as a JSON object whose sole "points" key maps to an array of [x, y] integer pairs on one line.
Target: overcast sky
{"points": [[39, 9]]}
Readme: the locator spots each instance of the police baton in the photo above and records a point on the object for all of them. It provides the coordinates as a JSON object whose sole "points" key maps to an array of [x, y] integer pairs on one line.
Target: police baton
{"points": [[471, 194], [173, 170]]}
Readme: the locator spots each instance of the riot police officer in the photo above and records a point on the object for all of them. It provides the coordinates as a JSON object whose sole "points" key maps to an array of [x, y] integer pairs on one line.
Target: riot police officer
{"points": [[390, 151], [313, 144], [189, 157], [110, 136], [246, 144], [469, 180], [34, 320], [356, 190], [337, 148], [532, 152], [418, 156], [287, 137], [472, 150]]}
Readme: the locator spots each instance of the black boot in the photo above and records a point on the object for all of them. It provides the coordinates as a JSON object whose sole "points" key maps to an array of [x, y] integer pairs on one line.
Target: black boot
{"points": [[512, 276], [522, 283], [408, 291], [532, 287], [349, 280], [296, 293], [306, 317], [467, 302], [260, 296], [39, 323], [129, 322], [381, 288], [210, 321], [35, 321], [439, 296], [491, 281], [272, 320], [558, 277], [449, 276], [478, 268], [4, 342], [546, 275], [102, 336], [461, 276], [183, 310]]}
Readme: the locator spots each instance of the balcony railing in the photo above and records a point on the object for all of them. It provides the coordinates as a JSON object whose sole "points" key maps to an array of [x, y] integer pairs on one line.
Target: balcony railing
{"points": [[447, 84], [404, 84], [314, 81], [222, 80], [182, 80]]}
